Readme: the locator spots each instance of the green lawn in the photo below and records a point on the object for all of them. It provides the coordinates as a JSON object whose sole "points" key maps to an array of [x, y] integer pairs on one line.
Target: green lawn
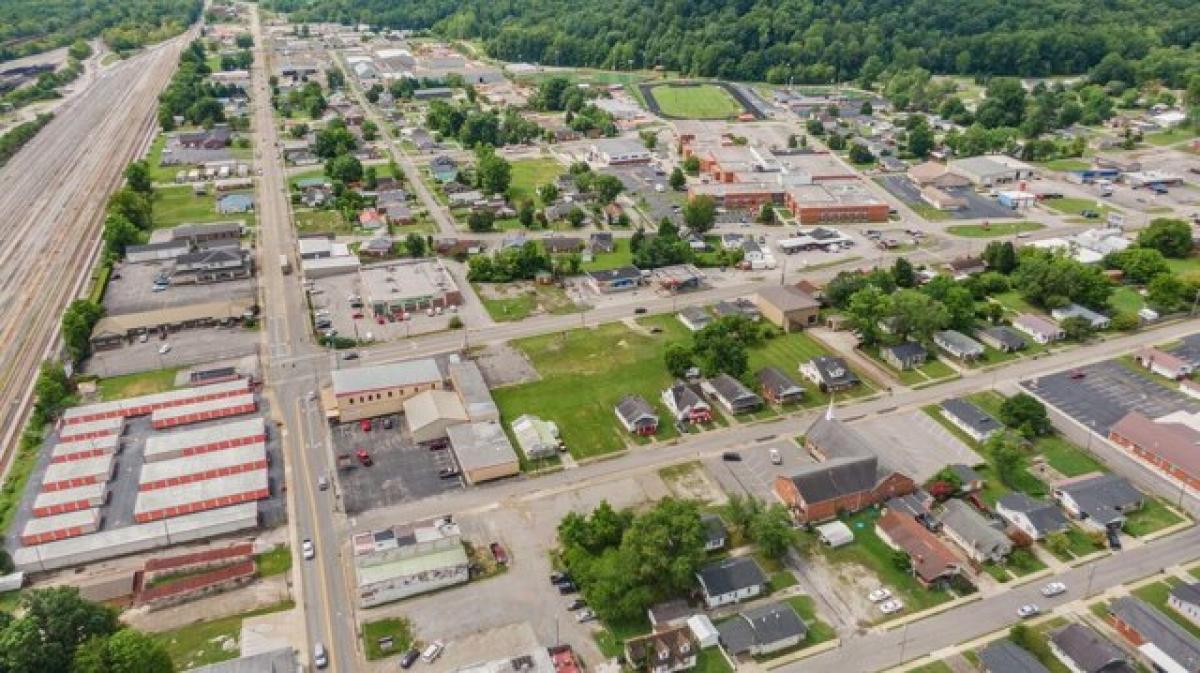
{"points": [[158, 172], [200, 644], [1185, 265], [528, 175], [1067, 165], [305, 175], [1066, 457], [1156, 594], [620, 256], [321, 221], [702, 101], [781, 580], [1081, 544], [993, 230], [177, 205], [1170, 137], [549, 298], [398, 629], [787, 352], [1153, 516], [1126, 300], [1072, 206], [711, 661], [1025, 481], [933, 667], [132, 385], [818, 631], [1013, 301], [275, 562]]}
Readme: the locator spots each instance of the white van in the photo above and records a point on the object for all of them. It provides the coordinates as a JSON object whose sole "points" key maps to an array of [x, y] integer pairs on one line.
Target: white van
{"points": [[433, 651]]}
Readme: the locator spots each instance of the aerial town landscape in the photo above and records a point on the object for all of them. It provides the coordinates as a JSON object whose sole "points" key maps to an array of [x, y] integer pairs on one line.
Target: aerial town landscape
{"points": [[360, 337]]}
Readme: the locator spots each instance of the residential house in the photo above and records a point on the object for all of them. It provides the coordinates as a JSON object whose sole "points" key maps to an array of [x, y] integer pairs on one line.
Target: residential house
{"points": [[932, 561], [443, 168], [1041, 330], [906, 355], [686, 403], [1171, 447], [1098, 502], [601, 242], [670, 613], [975, 422], [397, 213], [464, 199], [762, 630], [1035, 518], [918, 504], [958, 345], [964, 267], [637, 415], [1167, 365], [732, 394], [1185, 599], [213, 139], [1166, 644], [562, 245], [978, 537], [1096, 320], [380, 245], [1003, 339], [1005, 656], [777, 387], [537, 438], [731, 580], [715, 533], [229, 204], [829, 373], [667, 651], [969, 480], [695, 318], [619, 279], [740, 307], [1083, 650], [371, 219], [316, 196], [788, 307]]}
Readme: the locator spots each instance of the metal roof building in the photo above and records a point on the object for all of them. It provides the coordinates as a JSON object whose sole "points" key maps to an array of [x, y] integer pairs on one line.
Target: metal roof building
{"points": [[145, 404], [169, 473], [204, 440], [206, 410], [64, 452], [474, 392], [198, 496], [483, 451], [61, 476], [91, 429], [430, 413], [60, 527], [51, 503], [380, 377]]}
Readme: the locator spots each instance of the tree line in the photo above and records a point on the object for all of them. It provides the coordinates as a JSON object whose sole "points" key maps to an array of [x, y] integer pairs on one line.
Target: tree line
{"points": [[32, 27]]}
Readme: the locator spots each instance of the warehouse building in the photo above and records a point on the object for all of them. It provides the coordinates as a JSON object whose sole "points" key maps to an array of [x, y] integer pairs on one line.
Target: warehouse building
{"points": [[835, 202], [404, 561], [52, 503], [204, 440], [60, 527], [146, 404], [431, 413], [476, 397], [199, 496], [103, 427], [398, 287], [65, 553], [213, 465], [483, 451], [203, 411], [61, 476], [367, 392], [65, 452]]}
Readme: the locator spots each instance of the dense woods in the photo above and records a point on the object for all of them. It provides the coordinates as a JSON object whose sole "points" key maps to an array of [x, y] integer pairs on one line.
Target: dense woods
{"points": [[31, 27], [808, 41]]}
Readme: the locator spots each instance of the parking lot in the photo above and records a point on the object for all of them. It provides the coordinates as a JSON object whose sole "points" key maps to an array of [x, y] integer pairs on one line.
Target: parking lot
{"points": [[640, 184], [130, 290], [331, 298], [400, 470], [1105, 392], [978, 206], [917, 445], [754, 474], [188, 347]]}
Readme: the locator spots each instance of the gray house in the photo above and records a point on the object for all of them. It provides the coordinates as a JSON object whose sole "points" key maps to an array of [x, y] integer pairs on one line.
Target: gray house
{"points": [[1166, 644], [1099, 502], [731, 580], [977, 423], [1003, 339], [637, 415], [778, 387], [1096, 320], [1082, 649], [829, 373], [1036, 518], [978, 537], [1005, 656], [715, 533], [762, 630], [732, 394], [907, 355], [958, 345]]}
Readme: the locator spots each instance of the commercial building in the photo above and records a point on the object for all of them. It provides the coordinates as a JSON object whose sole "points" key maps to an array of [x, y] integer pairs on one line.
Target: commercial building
{"points": [[206, 410], [60, 527], [473, 391], [113, 331], [213, 465], [992, 170], [483, 451], [788, 307], [51, 503], [618, 151], [366, 392], [403, 561], [1173, 448], [411, 285], [619, 279], [835, 202], [168, 446], [61, 476], [198, 496], [65, 452], [430, 414]]}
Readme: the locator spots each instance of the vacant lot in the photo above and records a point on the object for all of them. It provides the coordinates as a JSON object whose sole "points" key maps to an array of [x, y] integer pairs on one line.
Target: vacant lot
{"points": [[210, 642], [993, 229], [1071, 206], [177, 205], [620, 256], [528, 175], [132, 385], [321, 221], [703, 101], [517, 301]]}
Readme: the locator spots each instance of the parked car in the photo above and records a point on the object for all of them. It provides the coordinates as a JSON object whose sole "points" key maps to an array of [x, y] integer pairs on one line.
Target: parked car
{"points": [[1089, 214], [1077, 374], [322, 483], [363, 457], [308, 549], [891, 607], [1027, 611], [448, 472], [585, 616], [929, 521], [576, 604], [499, 554], [567, 587], [639, 310], [433, 651], [776, 457], [880, 594], [388, 423], [320, 658], [164, 349], [365, 425], [409, 658], [1054, 589], [559, 577], [350, 356], [731, 456]]}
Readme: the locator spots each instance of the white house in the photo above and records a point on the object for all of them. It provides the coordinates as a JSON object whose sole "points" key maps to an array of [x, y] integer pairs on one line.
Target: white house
{"points": [[731, 580]]}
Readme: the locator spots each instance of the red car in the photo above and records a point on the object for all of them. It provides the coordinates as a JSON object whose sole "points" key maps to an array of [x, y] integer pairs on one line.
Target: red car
{"points": [[379, 319], [499, 554], [363, 457], [365, 425], [357, 315], [1077, 374]]}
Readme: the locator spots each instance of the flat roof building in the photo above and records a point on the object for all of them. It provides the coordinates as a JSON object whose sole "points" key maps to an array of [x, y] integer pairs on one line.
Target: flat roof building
{"points": [[483, 451], [367, 392], [102, 427], [406, 286], [835, 202], [168, 446], [60, 527], [473, 391], [61, 476], [198, 496], [145, 404], [64, 452], [206, 410], [51, 503], [212, 465]]}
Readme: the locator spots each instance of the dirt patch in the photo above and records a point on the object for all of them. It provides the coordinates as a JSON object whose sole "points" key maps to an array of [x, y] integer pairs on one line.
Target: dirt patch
{"points": [[690, 481], [503, 365], [847, 604]]}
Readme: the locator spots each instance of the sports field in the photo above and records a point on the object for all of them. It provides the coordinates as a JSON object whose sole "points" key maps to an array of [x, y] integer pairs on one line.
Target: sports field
{"points": [[702, 101]]}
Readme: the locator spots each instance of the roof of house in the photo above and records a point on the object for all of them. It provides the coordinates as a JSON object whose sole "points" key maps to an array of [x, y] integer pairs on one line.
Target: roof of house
{"points": [[670, 611], [1037, 324], [958, 341], [686, 395], [361, 379], [633, 408], [819, 482], [930, 557], [1177, 443], [1005, 656], [760, 626], [1169, 360], [907, 351], [1102, 497], [1090, 651], [1188, 593], [714, 528], [730, 388], [970, 525], [480, 445], [833, 369], [777, 382], [1077, 311], [282, 660], [1005, 335], [913, 503], [1045, 516], [972, 416], [695, 315], [835, 439], [787, 298], [1159, 629], [731, 574], [662, 649]]}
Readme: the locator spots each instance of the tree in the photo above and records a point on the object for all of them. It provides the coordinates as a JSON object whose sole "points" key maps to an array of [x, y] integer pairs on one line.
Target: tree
{"points": [[54, 624], [415, 245], [920, 139], [493, 173], [525, 214], [52, 390], [766, 214], [720, 348], [836, 142], [1050, 280], [772, 530], [137, 176], [119, 233], [1140, 265], [866, 109], [677, 180], [1007, 456], [370, 177], [344, 168], [548, 193], [649, 139], [691, 165], [915, 315], [859, 154], [607, 188], [1077, 328], [814, 127], [1173, 238], [133, 206], [1169, 293], [126, 651], [481, 220], [903, 273], [370, 130], [901, 561], [298, 131], [678, 359], [1059, 544], [866, 308], [77, 323], [1026, 415], [700, 213], [576, 216], [1000, 256]]}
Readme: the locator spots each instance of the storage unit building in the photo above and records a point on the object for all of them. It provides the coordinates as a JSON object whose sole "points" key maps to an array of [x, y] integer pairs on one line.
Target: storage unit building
{"points": [[145, 404], [198, 496], [170, 473], [61, 476], [51, 503], [204, 440], [65, 452], [91, 429], [60, 527], [206, 410]]}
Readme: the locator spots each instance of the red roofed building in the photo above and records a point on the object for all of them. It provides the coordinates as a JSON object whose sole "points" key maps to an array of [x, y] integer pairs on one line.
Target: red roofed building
{"points": [[932, 561], [1173, 448]]}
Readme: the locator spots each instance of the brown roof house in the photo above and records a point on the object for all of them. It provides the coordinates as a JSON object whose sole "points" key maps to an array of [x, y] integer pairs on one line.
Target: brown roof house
{"points": [[932, 561], [667, 651]]}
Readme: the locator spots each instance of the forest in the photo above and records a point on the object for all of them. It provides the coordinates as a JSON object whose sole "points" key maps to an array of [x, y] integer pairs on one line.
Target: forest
{"points": [[805, 41], [32, 27]]}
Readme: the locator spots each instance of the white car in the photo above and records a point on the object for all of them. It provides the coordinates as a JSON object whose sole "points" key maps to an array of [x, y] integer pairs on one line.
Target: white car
{"points": [[880, 594], [164, 349], [585, 615], [1027, 611], [776, 457], [308, 549], [1054, 589], [891, 607]]}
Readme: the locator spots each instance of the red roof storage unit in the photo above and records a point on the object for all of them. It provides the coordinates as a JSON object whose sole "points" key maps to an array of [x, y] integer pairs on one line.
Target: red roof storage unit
{"points": [[145, 404], [198, 496], [60, 527], [197, 441], [65, 452], [207, 410], [61, 476], [100, 427], [51, 503], [168, 473]]}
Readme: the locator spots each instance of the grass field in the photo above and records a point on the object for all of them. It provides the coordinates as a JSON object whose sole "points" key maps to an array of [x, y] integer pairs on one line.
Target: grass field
{"points": [[528, 175], [551, 299], [787, 352], [1126, 300], [1153, 516], [158, 172], [1185, 265], [818, 631], [1013, 301], [177, 205], [314, 221], [1156, 594], [201, 644], [933, 369], [930, 213], [1059, 452], [398, 629], [305, 175], [132, 385], [620, 256], [703, 101], [1070, 206], [275, 562], [993, 230], [1067, 165], [933, 667], [1170, 137]]}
